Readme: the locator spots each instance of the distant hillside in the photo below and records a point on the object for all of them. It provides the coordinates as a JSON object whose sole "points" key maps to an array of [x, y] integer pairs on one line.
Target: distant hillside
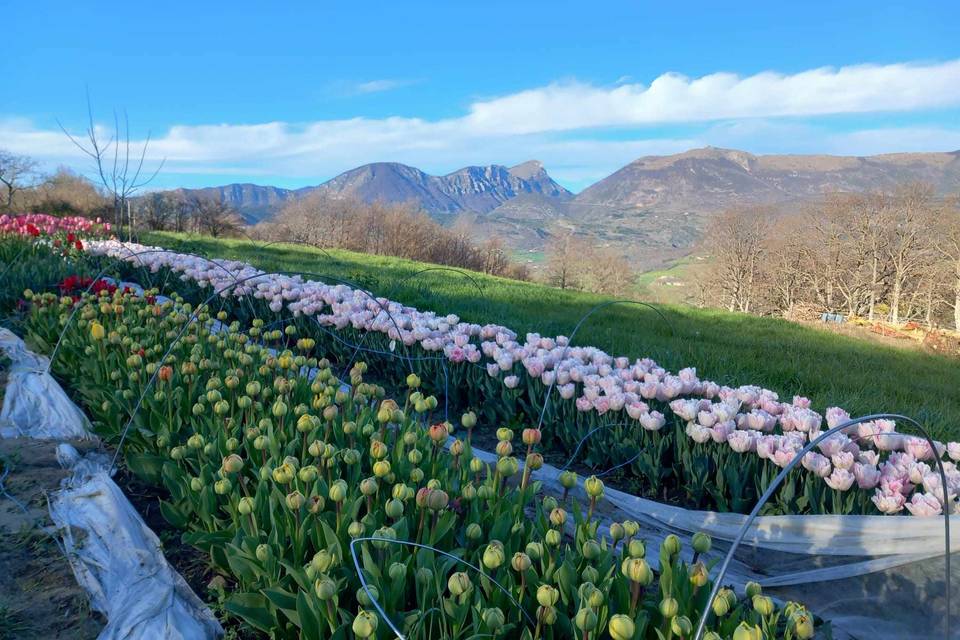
{"points": [[710, 179], [477, 189], [252, 201], [654, 209], [471, 189]]}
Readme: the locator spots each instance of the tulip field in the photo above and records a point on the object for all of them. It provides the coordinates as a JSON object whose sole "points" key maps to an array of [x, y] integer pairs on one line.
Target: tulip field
{"points": [[317, 442]]}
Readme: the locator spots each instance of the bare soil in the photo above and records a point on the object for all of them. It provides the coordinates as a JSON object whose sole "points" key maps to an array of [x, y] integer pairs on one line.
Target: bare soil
{"points": [[39, 596]]}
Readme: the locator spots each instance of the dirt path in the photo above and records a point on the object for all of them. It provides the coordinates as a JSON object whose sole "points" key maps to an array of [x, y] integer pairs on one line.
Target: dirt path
{"points": [[39, 597]]}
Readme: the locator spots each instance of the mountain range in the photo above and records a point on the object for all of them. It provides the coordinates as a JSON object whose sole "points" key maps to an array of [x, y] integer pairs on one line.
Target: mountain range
{"points": [[653, 209]]}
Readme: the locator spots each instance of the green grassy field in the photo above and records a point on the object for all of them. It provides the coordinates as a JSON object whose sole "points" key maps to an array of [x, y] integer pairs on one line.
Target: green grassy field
{"points": [[733, 349]]}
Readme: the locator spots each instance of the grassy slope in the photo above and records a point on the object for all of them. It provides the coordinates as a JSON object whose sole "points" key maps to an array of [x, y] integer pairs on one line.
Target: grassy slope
{"points": [[729, 348]]}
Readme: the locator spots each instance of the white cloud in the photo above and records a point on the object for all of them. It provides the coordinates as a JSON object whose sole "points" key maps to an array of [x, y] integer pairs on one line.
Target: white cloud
{"points": [[674, 98], [555, 125], [377, 86]]}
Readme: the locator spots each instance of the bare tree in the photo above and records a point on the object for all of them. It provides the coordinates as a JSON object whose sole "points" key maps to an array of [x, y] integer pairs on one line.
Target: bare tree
{"points": [[215, 218], [739, 242], [909, 246], [64, 193], [565, 254], [949, 247], [14, 171], [119, 168]]}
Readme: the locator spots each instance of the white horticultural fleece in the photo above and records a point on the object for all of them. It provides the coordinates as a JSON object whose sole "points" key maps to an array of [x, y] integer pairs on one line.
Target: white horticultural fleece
{"points": [[115, 557]]}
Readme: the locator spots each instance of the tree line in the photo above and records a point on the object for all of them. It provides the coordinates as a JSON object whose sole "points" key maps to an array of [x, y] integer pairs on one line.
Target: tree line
{"points": [[882, 256], [388, 229]]}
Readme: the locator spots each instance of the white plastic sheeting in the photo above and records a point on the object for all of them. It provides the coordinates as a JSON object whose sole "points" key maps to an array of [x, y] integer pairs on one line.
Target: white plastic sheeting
{"points": [[34, 405], [877, 577], [119, 561], [115, 557]]}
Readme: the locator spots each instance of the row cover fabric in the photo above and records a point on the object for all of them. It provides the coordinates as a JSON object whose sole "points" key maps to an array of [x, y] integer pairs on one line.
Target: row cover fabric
{"points": [[115, 557], [119, 561], [34, 405]]}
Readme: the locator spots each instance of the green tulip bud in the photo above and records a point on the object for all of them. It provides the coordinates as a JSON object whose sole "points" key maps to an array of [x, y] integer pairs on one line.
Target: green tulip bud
{"points": [[586, 619], [747, 632], [245, 505], [671, 545], [681, 626], [493, 555], [621, 627], [263, 552], [669, 607], [493, 618], [325, 588], [763, 605], [701, 542], [365, 624], [459, 584]]}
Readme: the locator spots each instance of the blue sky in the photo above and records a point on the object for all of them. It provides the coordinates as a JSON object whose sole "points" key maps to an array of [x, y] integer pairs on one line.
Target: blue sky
{"points": [[295, 93]]}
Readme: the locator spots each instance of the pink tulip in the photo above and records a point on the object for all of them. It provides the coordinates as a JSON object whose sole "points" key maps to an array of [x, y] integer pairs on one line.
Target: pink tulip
{"points": [[867, 476], [842, 460], [924, 505], [653, 421], [840, 479], [817, 464], [742, 441], [888, 503]]}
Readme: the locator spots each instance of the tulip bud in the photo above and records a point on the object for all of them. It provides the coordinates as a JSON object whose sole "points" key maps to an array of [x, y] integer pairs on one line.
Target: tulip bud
{"points": [[493, 555], [586, 619], [568, 480], [637, 570], [747, 632], [669, 607], [469, 420], [196, 484], [699, 575], [721, 606], [397, 571], [474, 531], [593, 486], [534, 461], [222, 487], [802, 624], [325, 588], [681, 626], [295, 500], [459, 583], [621, 627], [263, 552], [493, 618], [552, 537], [671, 545], [232, 463], [547, 596], [558, 517], [753, 589], [520, 562], [504, 434], [616, 532], [763, 605], [245, 505], [355, 530], [701, 542], [476, 465], [381, 468], [369, 486], [531, 437], [338, 491], [591, 550], [394, 508], [365, 624], [504, 449]]}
